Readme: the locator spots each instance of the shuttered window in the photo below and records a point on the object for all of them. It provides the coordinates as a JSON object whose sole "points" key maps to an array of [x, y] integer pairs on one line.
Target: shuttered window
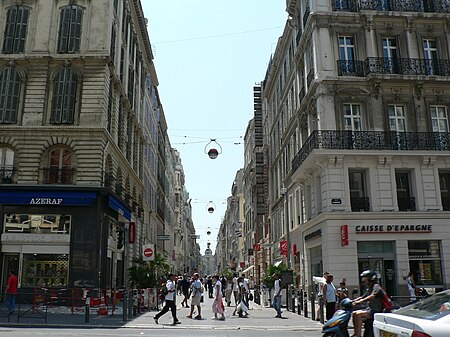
{"points": [[15, 29], [10, 86], [70, 23], [64, 97]]}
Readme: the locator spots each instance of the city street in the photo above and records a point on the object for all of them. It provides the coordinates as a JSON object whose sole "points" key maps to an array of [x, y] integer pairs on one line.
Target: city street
{"points": [[260, 323]]}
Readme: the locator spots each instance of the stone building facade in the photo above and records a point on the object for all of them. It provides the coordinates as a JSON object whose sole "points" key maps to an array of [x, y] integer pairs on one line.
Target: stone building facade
{"points": [[85, 159]]}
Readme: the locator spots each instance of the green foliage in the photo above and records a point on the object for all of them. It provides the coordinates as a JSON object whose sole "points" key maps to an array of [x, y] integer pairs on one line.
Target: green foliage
{"points": [[227, 273], [268, 279], [145, 274]]}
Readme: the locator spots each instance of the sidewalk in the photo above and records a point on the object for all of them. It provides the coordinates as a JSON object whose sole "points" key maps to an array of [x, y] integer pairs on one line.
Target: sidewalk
{"points": [[259, 318]]}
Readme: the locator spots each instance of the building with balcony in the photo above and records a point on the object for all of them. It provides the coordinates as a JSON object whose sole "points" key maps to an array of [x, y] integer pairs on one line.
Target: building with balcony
{"points": [[86, 168], [355, 107]]}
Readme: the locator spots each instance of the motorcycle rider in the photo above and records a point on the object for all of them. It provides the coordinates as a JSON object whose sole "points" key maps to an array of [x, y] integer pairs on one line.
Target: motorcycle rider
{"points": [[372, 296]]}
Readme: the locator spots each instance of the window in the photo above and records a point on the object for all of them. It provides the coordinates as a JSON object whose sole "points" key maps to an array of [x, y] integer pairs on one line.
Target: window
{"points": [[425, 262], [352, 117], [358, 195], [10, 87], [6, 165], [113, 44], [37, 223], [15, 29], [71, 19], [431, 56], [439, 118], [390, 54], [397, 118], [346, 48], [60, 167], [406, 202], [444, 184], [110, 106], [45, 270], [64, 97]]}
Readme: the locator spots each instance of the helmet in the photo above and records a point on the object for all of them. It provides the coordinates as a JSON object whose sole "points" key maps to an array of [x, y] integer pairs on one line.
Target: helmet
{"points": [[346, 303], [370, 275]]}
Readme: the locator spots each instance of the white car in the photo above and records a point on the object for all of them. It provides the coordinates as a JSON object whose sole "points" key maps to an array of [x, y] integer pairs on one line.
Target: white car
{"points": [[427, 318]]}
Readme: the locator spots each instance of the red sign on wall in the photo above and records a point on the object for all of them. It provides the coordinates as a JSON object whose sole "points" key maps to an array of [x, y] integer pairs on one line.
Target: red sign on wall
{"points": [[256, 247], [284, 248], [344, 235], [132, 232], [294, 249]]}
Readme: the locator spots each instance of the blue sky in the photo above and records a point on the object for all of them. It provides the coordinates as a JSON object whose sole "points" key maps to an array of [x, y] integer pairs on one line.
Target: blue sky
{"points": [[208, 55]]}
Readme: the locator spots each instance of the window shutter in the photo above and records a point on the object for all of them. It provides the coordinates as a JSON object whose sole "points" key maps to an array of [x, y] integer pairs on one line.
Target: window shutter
{"points": [[72, 97], [64, 28], [10, 85], [21, 30], [113, 43], [75, 29], [8, 41]]}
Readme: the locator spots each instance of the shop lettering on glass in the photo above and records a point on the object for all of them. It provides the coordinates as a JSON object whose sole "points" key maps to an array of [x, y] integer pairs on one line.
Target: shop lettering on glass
{"points": [[46, 201], [394, 229]]}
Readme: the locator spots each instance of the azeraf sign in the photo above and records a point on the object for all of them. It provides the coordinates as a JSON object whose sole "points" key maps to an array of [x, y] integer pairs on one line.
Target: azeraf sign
{"points": [[148, 252]]}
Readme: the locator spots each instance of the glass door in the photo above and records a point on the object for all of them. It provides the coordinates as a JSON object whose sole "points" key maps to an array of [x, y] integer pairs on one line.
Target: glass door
{"points": [[385, 269], [10, 262]]}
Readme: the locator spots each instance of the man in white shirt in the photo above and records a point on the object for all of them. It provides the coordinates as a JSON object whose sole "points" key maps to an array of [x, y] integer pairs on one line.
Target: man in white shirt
{"points": [[277, 295], [196, 296], [169, 301], [235, 289], [247, 288]]}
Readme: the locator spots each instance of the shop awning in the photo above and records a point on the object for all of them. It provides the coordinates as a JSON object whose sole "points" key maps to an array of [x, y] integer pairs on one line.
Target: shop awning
{"points": [[119, 207], [248, 269]]}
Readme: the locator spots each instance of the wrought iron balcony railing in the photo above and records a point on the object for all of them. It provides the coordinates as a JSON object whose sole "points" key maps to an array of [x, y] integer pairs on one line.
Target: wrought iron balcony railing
{"points": [[431, 6], [345, 5], [360, 204], [350, 68], [445, 203], [406, 66], [310, 77], [56, 175], [372, 140], [7, 174], [301, 94], [406, 204]]}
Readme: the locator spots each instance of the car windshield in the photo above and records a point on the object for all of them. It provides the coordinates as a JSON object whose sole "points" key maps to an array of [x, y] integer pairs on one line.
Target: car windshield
{"points": [[432, 308]]}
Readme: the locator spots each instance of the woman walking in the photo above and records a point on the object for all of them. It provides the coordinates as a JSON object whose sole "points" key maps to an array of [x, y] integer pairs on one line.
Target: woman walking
{"points": [[218, 307]]}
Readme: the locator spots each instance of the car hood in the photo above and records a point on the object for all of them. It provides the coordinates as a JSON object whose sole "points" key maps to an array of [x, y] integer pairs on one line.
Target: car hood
{"points": [[439, 327], [398, 320]]}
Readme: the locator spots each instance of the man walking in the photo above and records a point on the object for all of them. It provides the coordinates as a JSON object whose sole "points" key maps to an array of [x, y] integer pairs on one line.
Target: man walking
{"points": [[196, 296], [11, 292], [184, 287], [329, 295], [277, 295], [169, 303]]}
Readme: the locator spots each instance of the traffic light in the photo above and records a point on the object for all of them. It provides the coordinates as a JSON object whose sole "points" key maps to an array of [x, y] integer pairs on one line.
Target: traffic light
{"points": [[120, 241]]}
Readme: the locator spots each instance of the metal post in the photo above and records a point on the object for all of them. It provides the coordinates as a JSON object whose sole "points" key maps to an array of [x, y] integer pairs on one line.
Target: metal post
{"points": [[87, 309], [299, 301], [321, 309], [313, 305], [293, 299], [130, 305], [124, 305], [305, 304]]}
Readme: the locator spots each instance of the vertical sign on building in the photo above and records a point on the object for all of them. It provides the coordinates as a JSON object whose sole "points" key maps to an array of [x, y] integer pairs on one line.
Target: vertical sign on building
{"points": [[284, 248], [131, 232], [344, 235]]}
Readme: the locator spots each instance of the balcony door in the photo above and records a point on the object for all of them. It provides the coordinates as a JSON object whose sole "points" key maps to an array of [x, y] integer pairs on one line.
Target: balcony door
{"points": [[390, 55], [397, 124], [444, 184], [405, 200], [6, 165], [431, 57], [358, 194], [347, 55], [60, 167], [439, 123]]}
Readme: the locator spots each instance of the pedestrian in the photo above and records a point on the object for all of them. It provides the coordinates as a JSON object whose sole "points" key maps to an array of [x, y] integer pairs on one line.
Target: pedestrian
{"points": [[210, 286], [228, 291], [184, 286], [196, 295], [245, 284], [11, 292], [218, 307], [342, 291], [277, 295], [320, 293], [223, 280], [411, 287], [169, 301], [329, 295], [235, 289]]}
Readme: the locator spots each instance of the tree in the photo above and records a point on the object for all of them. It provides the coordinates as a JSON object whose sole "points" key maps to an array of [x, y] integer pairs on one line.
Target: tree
{"points": [[145, 274], [268, 278]]}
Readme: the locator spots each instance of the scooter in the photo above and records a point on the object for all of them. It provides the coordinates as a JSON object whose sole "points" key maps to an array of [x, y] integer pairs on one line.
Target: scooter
{"points": [[337, 326]]}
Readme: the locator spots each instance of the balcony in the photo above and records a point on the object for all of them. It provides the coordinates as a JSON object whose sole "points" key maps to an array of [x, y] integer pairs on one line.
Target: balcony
{"points": [[372, 140], [406, 204], [360, 204], [7, 174], [310, 77], [429, 6], [56, 175], [406, 66], [445, 203], [345, 5], [350, 68]]}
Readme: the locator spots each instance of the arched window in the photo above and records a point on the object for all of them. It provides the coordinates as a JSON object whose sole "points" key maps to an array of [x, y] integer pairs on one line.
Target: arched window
{"points": [[10, 86], [6, 165], [71, 20], [15, 29], [60, 169], [64, 97]]}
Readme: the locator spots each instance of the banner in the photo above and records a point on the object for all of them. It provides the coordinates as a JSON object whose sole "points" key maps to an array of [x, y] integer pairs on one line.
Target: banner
{"points": [[131, 232], [284, 248]]}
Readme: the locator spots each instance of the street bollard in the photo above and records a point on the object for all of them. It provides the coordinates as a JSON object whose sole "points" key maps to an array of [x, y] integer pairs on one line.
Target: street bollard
{"points": [[293, 299], [299, 301], [87, 310], [124, 305], [305, 304], [321, 311], [130, 305], [313, 307]]}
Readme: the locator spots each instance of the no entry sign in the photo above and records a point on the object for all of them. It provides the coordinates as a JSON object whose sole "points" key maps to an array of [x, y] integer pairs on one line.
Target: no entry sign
{"points": [[148, 252]]}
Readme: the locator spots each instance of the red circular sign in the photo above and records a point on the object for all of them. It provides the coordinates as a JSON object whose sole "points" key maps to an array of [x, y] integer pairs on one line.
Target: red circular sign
{"points": [[148, 252]]}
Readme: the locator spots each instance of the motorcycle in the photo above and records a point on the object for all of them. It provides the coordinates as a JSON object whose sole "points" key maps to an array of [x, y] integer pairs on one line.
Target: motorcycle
{"points": [[337, 326]]}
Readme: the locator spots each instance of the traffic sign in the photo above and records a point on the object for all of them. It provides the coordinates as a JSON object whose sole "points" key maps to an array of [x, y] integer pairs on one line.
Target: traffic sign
{"points": [[193, 236], [163, 237], [148, 252]]}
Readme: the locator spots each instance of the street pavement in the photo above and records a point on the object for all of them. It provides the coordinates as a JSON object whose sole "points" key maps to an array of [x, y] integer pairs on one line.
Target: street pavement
{"points": [[261, 319]]}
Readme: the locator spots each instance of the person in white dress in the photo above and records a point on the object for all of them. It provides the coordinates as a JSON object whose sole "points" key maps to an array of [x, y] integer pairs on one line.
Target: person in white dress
{"points": [[218, 306]]}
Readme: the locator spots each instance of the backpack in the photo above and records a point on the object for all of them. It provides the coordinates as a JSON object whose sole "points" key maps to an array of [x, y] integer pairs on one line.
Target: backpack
{"points": [[387, 303]]}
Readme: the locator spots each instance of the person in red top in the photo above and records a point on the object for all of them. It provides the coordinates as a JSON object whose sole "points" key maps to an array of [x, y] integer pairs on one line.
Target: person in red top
{"points": [[11, 291]]}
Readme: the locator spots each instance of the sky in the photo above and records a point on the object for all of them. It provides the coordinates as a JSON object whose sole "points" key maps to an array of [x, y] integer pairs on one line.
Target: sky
{"points": [[208, 55]]}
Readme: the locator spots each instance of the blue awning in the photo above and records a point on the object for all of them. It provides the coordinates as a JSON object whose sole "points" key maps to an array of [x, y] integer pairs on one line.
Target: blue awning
{"points": [[119, 207], [57, 198]]}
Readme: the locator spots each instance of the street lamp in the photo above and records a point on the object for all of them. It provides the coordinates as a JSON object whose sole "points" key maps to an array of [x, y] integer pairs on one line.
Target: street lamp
{"points": [[284, 193]]}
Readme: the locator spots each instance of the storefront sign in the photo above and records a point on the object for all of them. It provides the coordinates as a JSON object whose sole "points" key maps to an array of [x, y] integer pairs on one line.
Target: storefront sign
{"points": [[58, 198], [313, 235], [364, 229], [284, 248], [256, 247], [148, 252], [131, 232], [344, 235]]}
